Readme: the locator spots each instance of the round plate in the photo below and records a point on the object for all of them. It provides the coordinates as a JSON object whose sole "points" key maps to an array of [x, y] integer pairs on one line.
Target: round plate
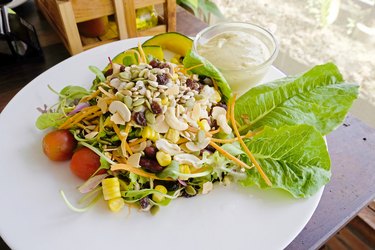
{"points": [[33, 214]]}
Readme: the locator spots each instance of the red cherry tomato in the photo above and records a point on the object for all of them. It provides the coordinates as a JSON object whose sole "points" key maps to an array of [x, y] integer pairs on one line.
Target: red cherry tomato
{"points": [[59, 145], [84, 163]]}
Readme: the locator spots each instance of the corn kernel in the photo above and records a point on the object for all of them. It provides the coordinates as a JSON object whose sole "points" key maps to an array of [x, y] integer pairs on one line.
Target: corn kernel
{"points": [[184, 169], [116, 204], [203, 125], [159, 197], [149, 133], [165, 101], [217, 96], [111, 188], [164, 159], [172, 135]]}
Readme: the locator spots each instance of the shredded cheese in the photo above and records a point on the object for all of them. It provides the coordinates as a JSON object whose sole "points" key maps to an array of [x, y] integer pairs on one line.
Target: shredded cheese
{"points": [[229, 156], [142, 53], [137, 171], [247, 151]]}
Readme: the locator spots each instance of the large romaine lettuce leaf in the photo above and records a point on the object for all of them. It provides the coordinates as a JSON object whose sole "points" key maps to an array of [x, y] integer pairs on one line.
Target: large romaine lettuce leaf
{"points": [[207, 69], [295, 159], [319, 98]]}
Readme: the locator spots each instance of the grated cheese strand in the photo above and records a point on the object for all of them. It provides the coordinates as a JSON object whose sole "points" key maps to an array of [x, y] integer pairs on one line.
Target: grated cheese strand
{"points": [[247, 151], [229, 156]]}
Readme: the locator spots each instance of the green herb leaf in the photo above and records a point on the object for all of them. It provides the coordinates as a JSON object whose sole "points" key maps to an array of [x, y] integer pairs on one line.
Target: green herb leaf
{"points": [[171, 171], [207, 69], [295, 159], [50, 120], [318, 98], [99, 74], [72, 93]]}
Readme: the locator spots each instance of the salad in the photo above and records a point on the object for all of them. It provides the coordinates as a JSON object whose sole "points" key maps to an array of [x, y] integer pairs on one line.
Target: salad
{"points": [[151, 130]]}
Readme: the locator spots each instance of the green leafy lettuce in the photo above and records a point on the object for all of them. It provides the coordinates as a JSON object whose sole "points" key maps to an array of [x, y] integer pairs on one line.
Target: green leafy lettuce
{"points": [[319, 98], [295, 159], [207, 69]]}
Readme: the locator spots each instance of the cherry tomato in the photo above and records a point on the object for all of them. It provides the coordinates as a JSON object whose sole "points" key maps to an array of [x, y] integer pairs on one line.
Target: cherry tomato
{"points": [[84, 163], [59, 145]]}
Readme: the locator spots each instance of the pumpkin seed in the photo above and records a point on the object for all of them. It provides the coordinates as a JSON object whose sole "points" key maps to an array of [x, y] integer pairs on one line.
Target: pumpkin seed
{"points": [[150, 117], [138, 102], [190, 190], [129, 85], [139, 108], [128, 101]]}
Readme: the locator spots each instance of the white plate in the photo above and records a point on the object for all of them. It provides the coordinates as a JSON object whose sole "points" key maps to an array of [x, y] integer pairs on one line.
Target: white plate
{"points": [[34, 216], [16, 3]]}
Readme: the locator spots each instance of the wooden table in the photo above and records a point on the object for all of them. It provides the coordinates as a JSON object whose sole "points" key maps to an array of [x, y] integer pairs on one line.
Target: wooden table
{"points": [[351, 146]]}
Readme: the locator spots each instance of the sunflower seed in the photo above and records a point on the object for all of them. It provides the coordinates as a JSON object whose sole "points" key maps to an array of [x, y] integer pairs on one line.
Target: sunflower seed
{"points": [[153, 83], [129, 85]]}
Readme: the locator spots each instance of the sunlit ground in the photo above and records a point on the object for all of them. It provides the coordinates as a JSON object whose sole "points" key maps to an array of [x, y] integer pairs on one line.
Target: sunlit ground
{"points": [[310, 34]]}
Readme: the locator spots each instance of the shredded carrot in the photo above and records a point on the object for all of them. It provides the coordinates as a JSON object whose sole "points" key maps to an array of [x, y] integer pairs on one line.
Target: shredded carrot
{"points": [[137, 171], [136, 142], [78, 117], [247, 151], [89, 97], [248, 135], [97, 113], [229, 156], [122, 138], [106, 93], [143, 56], [212, 132], [228, 110]]}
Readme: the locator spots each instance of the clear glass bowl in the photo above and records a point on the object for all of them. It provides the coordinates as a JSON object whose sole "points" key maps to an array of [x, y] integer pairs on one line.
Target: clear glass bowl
{"points": [[240, 79]]}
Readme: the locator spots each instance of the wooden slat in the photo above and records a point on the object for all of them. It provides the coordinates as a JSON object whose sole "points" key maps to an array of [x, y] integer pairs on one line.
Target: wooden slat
{"points": [[170, 15], [92, 45], [120, 19], [368, 216], [153, 31], [352, 241], [129, 10], [70, 26], [363, 231], [334, 244], [144, 3], [85, 10]]}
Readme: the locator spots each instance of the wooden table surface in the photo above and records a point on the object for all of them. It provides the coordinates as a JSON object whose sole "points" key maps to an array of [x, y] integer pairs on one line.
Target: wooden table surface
{"points": [[351, 146]]}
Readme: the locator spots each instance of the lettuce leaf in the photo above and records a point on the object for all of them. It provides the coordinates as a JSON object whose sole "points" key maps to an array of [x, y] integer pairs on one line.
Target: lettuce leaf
{"points": [[48, 120], [319, 98], [192, 59], [295, 159]]}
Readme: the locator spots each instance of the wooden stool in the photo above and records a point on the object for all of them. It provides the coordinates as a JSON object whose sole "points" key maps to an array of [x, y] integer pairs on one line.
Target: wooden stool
{"points": [[64, 15]]}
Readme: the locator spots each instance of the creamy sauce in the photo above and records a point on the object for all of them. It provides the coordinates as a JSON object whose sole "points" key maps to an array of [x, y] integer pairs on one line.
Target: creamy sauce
{"points": [[235, 54]]}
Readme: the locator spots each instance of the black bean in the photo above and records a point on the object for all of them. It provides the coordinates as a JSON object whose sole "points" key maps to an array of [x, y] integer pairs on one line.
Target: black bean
{"points": [[150, 165], [140, 118], [156, 109], [150, 152], [193, 85]]}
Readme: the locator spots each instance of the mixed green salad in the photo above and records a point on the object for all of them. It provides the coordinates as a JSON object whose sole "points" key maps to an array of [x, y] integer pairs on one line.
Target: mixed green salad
{"points": [[150, 130]]}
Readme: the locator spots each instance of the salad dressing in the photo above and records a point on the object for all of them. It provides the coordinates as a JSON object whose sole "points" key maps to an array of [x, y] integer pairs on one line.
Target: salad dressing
{"points": [[236, 54]]}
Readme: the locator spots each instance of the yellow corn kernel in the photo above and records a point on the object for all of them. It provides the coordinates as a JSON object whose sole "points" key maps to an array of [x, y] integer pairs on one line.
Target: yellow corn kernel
{"points": [[149, 133], [111, 188], [172, 135], [203, 125], [164, 159], [217, 96], [159, 197], [165, 101], [116, 204], [184, 169]]}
